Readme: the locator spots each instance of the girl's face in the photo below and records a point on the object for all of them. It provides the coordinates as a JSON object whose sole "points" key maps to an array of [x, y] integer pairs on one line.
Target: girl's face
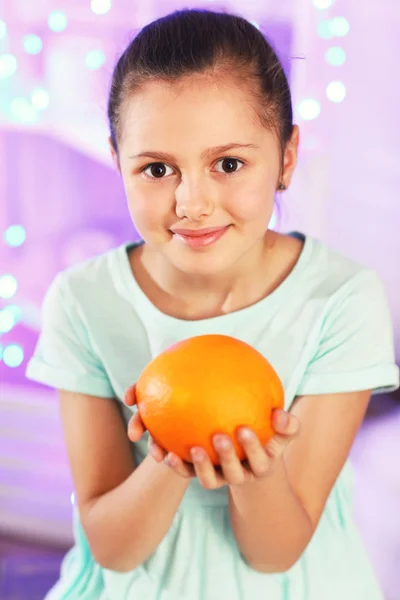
{"points": [[193, 156]]}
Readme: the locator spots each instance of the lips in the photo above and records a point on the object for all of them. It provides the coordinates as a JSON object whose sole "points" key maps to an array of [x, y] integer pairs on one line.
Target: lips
{"points": [[200, 238], [198, 232]]}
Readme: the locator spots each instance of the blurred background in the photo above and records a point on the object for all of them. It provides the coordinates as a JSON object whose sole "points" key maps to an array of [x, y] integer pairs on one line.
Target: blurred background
{"points": [[61, 201]]}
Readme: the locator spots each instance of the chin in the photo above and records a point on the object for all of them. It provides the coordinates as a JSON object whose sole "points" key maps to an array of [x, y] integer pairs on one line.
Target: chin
{"points": [[200, 264]]}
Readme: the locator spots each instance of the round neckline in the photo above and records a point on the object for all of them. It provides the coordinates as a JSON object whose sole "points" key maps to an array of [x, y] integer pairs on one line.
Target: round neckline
{"points": [[141, 302]]}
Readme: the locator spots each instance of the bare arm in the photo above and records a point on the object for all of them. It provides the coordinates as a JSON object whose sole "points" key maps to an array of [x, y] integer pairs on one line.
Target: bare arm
{"points": [[274, 519], [125, 510]]}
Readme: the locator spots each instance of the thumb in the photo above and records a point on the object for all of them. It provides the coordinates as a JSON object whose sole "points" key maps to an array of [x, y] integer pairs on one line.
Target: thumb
{"points": [[284, 423], [135, 428], [130, 395], [286, 427]]}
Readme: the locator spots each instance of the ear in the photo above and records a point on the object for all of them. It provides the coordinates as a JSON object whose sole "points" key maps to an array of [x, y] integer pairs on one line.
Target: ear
{"points": [[114, 155], [290, 156]]}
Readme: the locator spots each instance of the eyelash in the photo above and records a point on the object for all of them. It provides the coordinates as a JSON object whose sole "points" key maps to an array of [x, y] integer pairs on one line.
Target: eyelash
{"points": [[157, 179]]}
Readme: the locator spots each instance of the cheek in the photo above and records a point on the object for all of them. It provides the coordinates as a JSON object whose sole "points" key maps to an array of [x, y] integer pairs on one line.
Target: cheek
{"points": [[144, 213], [252, 203], [150, 209]]}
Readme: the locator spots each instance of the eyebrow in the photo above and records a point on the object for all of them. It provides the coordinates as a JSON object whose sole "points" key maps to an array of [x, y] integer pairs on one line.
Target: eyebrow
{"points": [[206, 154]]}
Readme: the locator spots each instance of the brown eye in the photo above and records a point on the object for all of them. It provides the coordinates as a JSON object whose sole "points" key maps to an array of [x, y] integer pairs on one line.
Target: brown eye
{"points": [[230, 165], [156, 170]]}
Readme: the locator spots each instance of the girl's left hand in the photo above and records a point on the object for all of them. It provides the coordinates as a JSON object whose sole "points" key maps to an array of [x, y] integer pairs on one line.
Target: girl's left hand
{"points": [[259, 461]]}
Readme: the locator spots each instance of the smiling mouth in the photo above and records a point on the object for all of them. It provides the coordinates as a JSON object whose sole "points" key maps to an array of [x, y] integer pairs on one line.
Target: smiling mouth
{"points": [[198, 232], [197, 238]]}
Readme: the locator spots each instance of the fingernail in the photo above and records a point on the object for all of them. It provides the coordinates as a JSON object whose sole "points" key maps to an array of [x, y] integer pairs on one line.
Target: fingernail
{"points": [[222, 442], [196, 454], [292, 428], [283, 419], [246, 434]]}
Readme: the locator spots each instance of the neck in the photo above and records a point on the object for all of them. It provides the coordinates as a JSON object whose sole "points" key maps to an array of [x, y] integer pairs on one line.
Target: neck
{"points": [[198, 297]]}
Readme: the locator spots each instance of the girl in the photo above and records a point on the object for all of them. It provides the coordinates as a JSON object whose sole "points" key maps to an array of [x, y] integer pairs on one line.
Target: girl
{"points": [[203, 137]]}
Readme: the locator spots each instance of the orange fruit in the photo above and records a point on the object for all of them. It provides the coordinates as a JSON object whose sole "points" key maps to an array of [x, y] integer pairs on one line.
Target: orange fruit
{"points": [[205, 385]]}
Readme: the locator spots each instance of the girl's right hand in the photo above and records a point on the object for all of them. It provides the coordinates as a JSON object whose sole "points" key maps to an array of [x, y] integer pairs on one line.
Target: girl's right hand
{"points": [[136, 427]]}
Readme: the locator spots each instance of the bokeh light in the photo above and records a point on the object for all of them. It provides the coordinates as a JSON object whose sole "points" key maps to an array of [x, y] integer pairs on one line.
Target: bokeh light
{"points": [[95, 59], [8, 286], [3, 29], [309, 109], [15, 311], [8, 65], [32, 44], [40, 98], [15, 235], [339, 26], [13, 355], [57, 21], [100, 7], [23, 111], [7, 320], [335, 56], [336, 91]]}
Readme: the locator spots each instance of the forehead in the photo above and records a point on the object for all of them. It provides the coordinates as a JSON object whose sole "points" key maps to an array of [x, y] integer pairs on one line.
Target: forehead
{"points": [[192, 109]]}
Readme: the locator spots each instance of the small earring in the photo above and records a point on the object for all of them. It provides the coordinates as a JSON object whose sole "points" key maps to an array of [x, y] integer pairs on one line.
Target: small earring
{"points": [[281, 187]]}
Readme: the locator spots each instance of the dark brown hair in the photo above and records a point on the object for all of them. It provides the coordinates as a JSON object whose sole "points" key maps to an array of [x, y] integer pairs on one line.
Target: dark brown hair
{"points": [[188, 42]]}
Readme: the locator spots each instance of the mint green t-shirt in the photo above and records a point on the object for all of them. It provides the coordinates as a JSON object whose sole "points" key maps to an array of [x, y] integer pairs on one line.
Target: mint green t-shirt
{"points": [[325, 329]]}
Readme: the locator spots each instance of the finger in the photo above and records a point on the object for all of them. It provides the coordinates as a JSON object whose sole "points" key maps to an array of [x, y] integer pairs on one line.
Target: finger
{"points": [[231, 466], [285, 423], [156, 451], [204, 469], [219, 477], [179, 466], [258, 460], [130, 395], [287, 427], [135, 428], [278, 444]]}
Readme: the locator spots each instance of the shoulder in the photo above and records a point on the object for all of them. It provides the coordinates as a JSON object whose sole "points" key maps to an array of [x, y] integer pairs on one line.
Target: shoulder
{"points": [[355, 323], [332, 275], [336, 295], [88, 292], [90, 279], [352, 342]]}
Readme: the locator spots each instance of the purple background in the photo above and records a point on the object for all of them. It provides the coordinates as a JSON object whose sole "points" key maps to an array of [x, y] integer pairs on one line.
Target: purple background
{"points": [[57, 181]]}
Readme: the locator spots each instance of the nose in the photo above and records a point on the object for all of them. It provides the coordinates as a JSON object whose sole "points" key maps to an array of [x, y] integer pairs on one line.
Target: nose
{"points": [[193, 200]]}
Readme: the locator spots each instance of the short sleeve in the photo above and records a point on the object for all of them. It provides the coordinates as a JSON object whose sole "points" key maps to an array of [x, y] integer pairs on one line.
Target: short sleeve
{"points": [[63, 357], [356, 347]]}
